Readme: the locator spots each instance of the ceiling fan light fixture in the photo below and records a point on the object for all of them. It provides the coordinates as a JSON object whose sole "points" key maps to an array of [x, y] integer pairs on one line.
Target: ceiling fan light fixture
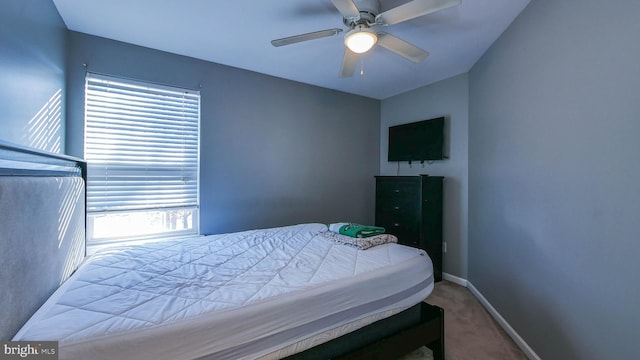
{"points": [[360, 39]]}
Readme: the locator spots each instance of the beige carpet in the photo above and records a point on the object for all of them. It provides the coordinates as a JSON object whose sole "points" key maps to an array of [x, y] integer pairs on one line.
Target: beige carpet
{"points": [[470, 332]]}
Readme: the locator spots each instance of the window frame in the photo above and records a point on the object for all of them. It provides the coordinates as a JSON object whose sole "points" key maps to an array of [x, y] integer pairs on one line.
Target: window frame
{"points": [[194, 209]]}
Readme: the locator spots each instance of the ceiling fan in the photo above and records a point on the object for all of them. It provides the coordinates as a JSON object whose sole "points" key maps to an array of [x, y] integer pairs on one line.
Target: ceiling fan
{"points": [[363, 17]]}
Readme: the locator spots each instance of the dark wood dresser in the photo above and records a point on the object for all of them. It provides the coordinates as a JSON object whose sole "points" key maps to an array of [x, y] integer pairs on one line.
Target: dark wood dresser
{"points": [[410, 207]]}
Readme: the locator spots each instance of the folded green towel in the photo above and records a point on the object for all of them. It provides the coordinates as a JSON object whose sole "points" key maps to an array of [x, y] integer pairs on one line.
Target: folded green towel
{"points": [[360, 231]]}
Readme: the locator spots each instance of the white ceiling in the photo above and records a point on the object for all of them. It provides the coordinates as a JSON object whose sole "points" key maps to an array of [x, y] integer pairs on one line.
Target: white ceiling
{"points": [[238, 33]]}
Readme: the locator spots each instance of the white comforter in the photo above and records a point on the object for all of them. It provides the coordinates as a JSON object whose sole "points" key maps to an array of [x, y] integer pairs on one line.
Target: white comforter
{"points": [[231, 295]]}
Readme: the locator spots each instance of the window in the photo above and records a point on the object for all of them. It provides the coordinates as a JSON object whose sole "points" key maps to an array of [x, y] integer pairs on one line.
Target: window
{"points": [[142, 152]]}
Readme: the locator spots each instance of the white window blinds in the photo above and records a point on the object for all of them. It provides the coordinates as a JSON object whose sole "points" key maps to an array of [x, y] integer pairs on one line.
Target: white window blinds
{"points": [[141, 145]]}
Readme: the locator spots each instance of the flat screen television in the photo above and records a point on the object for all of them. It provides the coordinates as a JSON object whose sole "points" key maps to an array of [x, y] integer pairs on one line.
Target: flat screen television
{"points": [[417, 141]]}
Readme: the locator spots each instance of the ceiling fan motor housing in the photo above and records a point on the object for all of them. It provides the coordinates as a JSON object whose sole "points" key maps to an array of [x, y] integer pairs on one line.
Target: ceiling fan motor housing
{"points": [[368, 11]]}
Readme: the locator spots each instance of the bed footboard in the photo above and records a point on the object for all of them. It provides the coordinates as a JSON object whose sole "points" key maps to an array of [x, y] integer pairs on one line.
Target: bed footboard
{"points": [[390, 338]]}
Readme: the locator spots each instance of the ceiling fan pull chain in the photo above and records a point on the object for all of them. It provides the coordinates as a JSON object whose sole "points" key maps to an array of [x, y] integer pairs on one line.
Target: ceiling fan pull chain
{"points": [[361, 64]]}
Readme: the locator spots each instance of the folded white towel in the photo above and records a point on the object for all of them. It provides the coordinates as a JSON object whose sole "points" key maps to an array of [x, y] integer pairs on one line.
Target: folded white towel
{"points": [[336, 227]]}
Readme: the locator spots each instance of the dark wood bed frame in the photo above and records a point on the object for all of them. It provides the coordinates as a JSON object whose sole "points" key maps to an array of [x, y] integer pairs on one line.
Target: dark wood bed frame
{"points": [[390, 338], [420, 325]]}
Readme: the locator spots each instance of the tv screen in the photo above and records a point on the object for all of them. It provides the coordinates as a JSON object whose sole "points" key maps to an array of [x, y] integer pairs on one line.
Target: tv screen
{"points": [[422, 140]]}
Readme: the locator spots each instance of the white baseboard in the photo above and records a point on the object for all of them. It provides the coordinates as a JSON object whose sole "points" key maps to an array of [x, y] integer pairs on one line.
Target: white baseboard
{"points": [[502, 322], [454, 279]]}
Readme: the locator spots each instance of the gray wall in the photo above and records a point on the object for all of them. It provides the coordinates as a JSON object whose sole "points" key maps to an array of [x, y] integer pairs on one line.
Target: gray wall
{"points": [[273, 152], [445, 98], [32, 60], [554, 174]]}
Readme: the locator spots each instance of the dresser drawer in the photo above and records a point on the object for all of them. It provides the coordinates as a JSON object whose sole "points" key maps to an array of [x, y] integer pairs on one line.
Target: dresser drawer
{"points": [[405, 234], [398, 208], [398, 190], [406, 229]]}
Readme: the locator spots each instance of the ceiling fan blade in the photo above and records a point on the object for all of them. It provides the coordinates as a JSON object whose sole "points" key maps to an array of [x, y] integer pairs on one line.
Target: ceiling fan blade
{"points": [[401, 47], [413, 9], [305, 37], [347, 8], [349, 62]]}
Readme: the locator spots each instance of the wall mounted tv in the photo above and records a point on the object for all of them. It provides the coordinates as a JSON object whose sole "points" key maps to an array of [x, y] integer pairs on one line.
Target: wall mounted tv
{"points": [[417, 141]]}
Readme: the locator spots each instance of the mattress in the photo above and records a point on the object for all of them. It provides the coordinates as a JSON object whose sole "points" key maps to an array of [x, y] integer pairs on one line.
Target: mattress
{"points": [[229, 296]]}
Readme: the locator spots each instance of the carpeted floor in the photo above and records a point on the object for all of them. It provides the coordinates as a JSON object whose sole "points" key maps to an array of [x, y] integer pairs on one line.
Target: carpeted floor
{"points": [[470, 332]]}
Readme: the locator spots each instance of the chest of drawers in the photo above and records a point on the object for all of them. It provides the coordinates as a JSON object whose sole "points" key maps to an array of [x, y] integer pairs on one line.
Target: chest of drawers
{"points": [[410, 207]]}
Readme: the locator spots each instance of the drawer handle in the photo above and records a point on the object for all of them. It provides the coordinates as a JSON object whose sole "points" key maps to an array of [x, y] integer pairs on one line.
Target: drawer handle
{"points": [[396, 208], [396, 224], [396, 191]]}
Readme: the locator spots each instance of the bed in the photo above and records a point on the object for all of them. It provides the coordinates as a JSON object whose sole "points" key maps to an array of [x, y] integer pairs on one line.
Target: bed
{"points": [[269, 293]]}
